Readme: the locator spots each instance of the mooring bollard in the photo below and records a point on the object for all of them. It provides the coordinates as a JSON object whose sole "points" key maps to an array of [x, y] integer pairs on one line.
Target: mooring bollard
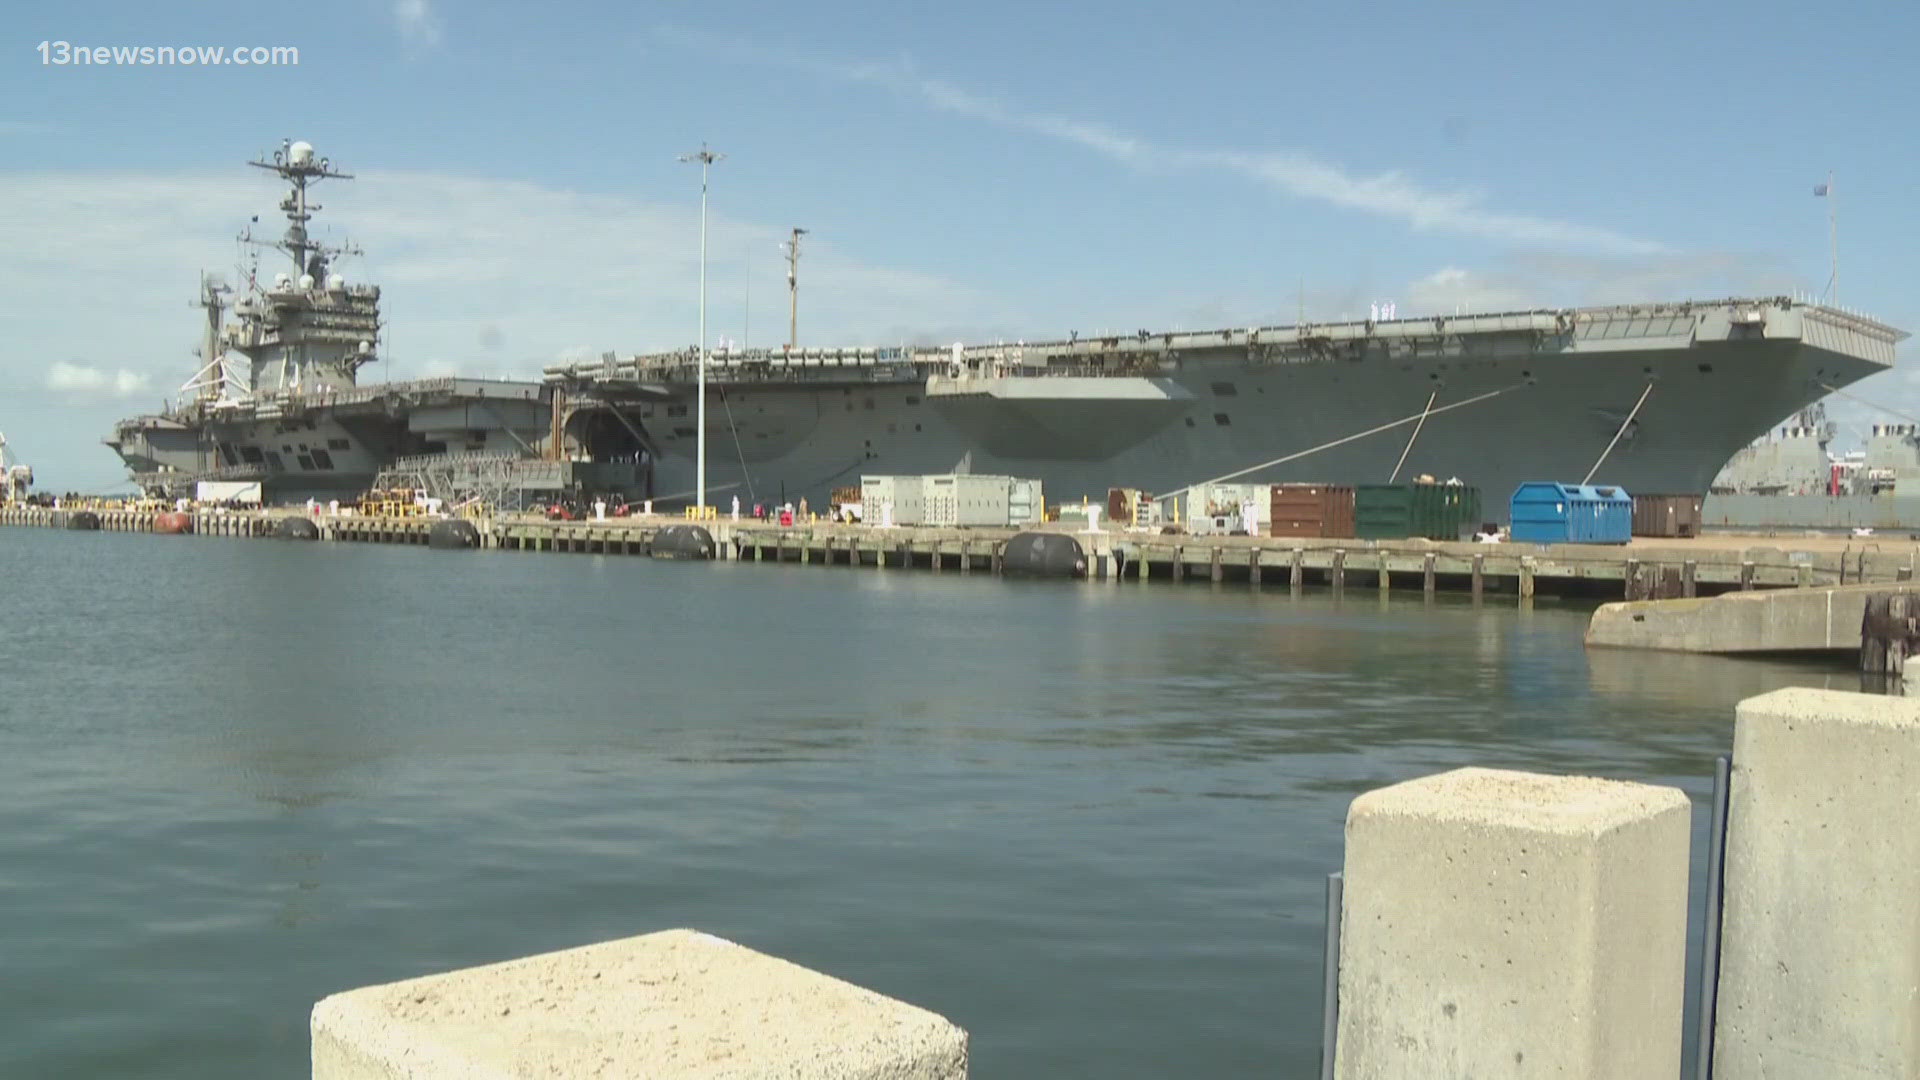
{"points": [[1503, 923], [677, 1003], [1820, 950]]}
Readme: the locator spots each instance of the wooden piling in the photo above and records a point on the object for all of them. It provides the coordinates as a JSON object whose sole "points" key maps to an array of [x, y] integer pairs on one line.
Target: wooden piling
{"points": [[1297, 576], [1426, 574], [1339, 570], [1889, 633], [1253, 567], [1479, 576], [1213, 564], [1688, 570]]}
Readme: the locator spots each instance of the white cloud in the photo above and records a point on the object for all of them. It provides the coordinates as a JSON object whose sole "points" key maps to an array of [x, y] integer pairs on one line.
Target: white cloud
{"points": [[1290, 172], [1452, 289], [417, 22], [84, 380], [100, 269]]}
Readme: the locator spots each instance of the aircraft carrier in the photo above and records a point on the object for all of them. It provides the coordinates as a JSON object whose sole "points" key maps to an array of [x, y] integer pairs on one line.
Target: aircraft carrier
{"points": [[1654, 398], [277, 400]]}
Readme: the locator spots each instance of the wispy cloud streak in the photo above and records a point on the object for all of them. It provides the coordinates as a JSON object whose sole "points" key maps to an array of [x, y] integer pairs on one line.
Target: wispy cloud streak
{"points": [[417, 22], [1293, 173]]}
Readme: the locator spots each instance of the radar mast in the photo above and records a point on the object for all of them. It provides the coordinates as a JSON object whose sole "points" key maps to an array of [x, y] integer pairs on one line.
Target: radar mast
{"points": [[295, 163]]}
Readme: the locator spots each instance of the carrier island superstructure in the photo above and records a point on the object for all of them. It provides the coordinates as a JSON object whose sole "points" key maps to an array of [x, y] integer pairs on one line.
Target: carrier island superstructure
{"points": [[278, 399], [1652, 397]]}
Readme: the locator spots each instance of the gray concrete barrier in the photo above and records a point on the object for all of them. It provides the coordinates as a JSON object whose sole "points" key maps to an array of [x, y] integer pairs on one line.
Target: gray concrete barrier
{"points": [[676, 1005], [1820, 954], [1776, 620], [1510, 924]]}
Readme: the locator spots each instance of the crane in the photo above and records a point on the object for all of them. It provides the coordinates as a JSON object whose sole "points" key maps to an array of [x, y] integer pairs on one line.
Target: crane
{"points": [[15, 478]]}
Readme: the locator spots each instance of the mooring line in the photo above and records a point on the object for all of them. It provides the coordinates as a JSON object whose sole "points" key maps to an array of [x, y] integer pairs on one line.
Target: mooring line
{"points": [[1418, 417]]}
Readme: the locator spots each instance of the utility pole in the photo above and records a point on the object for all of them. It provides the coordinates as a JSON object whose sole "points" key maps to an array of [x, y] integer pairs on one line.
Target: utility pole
{"points": [[706, 158], [1833, 241], [1826, 191], [793, 288]]}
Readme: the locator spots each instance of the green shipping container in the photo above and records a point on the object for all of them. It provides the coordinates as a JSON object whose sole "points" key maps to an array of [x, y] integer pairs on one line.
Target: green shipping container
{"points": [[1432, 511], [1382, 511]]}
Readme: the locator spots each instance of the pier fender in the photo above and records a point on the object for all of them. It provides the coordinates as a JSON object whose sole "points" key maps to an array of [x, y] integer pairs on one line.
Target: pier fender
{"points": [[682, 542], [1034, 554], [453, 534], [83, 521], [295, 528], [173, 523]]}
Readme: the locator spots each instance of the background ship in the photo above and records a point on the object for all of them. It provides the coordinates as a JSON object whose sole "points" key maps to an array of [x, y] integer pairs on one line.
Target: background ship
{"points": [[278, 400]]}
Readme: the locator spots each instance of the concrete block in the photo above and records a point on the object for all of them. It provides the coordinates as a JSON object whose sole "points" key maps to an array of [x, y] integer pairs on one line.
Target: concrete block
{"points": [[1773, 620], [668, 1006], [1820, 947], [1505, 924]]}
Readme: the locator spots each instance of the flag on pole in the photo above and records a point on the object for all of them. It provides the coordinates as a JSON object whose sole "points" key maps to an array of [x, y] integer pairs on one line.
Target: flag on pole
{"points": [[1820, 189]]}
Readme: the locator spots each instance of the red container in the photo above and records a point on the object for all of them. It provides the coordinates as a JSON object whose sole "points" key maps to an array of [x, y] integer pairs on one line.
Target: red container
{"points": [[1311, 511], [786, 517]]}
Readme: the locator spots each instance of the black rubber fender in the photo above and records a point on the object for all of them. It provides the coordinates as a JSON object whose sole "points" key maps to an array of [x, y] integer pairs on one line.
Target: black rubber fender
{"points": [[295, 528], [682, 542], [1037, 554], [453, 534], [83, 521]]}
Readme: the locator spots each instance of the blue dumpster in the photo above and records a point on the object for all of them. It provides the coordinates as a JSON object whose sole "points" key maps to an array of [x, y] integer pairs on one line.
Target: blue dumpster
{"points": [[1543, 512]]}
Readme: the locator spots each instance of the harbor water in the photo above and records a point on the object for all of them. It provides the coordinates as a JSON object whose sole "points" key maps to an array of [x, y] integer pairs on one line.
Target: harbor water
{"points": [[1088, 822]]}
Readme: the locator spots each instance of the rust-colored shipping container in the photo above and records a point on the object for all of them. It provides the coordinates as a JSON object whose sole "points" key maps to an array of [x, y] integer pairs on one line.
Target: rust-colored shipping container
{"points": [[1666, 515], [1311, 510]]}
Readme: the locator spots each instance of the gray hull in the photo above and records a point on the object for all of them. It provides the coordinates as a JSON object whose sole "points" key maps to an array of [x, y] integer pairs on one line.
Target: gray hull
{"points": [[1550, 418], [331, 446]]}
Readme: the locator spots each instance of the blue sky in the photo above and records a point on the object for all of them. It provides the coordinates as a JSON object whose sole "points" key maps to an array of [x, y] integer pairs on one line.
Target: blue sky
{"points": [[966, 171]]}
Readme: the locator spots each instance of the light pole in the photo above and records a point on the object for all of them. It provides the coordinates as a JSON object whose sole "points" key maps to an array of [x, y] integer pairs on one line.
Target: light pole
{"points": [[793, 289], [706, 158]]}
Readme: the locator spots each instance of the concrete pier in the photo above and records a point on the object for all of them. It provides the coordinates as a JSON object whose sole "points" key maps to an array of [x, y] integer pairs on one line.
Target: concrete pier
{"points": [[676, 1005], [1506, 924], [1643, 569], [1820, 965], [1777, 620]]}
